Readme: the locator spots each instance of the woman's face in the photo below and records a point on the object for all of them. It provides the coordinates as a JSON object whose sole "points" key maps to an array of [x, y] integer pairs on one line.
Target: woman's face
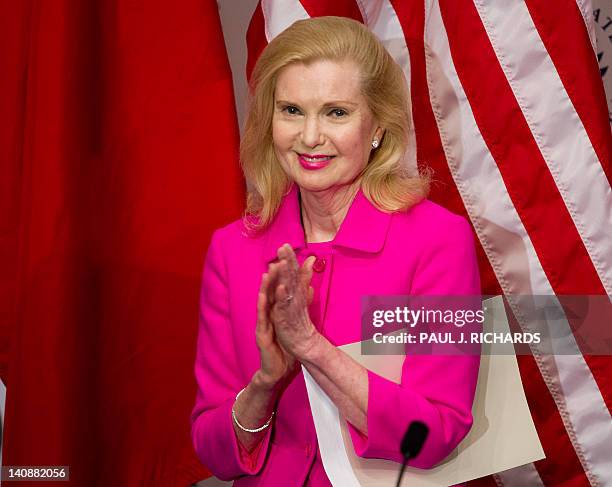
{"points": [[322, 127]]}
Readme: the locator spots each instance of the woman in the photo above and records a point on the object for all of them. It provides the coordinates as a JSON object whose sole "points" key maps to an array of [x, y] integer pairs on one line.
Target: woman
{"points": [[332, 215]]}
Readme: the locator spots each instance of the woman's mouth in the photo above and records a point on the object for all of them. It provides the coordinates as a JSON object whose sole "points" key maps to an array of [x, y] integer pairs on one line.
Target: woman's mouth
{"points": [[314, 161]]}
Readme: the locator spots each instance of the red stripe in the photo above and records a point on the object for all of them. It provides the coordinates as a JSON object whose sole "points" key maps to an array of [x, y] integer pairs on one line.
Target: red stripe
{"points": [[256, 39], [429, 147], [601, 368], [529, 183], [566, 39], [339, 8]]}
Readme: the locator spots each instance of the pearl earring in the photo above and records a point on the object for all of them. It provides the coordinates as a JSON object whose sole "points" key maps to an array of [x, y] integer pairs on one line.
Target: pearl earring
{"points": [[375, 144]]}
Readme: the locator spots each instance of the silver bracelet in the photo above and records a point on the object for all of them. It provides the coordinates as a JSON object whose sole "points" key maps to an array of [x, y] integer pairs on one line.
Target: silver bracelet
{"points": [[249, 430]]}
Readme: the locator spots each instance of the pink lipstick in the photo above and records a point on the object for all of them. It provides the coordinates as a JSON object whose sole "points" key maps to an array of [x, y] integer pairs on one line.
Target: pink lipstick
{"points": [[314, 161]]}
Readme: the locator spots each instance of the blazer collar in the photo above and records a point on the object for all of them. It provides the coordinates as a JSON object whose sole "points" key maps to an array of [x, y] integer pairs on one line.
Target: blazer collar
{"points": [[364, 228]]}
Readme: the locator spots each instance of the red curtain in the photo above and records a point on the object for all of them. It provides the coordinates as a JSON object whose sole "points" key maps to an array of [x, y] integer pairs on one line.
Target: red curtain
{"points": [[118, 144]]}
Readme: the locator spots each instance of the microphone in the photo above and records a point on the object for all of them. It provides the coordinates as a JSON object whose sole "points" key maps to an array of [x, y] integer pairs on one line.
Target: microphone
{"points": [[411, 445]]}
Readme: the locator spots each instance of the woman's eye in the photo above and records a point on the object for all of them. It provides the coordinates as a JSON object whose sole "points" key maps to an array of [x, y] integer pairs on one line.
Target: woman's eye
{"points": [[338, 112], [291, 110]]}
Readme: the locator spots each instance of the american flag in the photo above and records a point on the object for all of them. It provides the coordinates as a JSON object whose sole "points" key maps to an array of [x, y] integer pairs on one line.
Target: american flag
{"points": [[509, 110]]}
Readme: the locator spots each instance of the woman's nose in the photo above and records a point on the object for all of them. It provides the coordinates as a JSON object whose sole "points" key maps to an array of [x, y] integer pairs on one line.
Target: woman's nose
{"points": [[311, 132]]}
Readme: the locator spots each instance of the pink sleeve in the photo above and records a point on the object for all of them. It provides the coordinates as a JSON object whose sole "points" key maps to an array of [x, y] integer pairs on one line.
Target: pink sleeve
{"points": [[436, 390], [250, 459], [212, 430]]}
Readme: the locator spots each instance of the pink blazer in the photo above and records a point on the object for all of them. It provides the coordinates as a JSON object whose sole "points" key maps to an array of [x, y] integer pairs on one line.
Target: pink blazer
{"points": [[425, 250]]}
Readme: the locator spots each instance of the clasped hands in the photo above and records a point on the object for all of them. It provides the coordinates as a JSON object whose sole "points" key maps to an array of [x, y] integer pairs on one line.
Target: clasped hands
{"points": [[285, 333]]}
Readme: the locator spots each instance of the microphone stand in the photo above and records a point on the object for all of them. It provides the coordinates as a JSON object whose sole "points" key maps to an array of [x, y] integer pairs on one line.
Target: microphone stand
{"points": [[413, 441]]}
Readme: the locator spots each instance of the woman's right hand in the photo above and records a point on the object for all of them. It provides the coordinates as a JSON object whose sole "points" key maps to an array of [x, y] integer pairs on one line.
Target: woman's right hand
{"points": [[278, 367]]}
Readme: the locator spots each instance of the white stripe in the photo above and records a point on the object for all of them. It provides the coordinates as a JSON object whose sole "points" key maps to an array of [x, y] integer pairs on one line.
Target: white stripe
{"points": [[586, 10], [555, 125], [280, 15], [520, 477], [380, 17], [510, 250]]}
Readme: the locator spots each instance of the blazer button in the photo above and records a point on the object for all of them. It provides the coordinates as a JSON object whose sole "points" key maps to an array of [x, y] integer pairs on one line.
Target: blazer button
{"points": [[319, 265]]}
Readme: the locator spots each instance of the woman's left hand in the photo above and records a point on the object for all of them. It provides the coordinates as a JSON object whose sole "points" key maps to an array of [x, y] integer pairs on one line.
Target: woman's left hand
{"points": [[292, 324]]}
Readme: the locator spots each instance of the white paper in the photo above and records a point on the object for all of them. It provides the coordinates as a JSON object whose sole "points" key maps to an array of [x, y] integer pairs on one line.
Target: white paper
{"points": [[503, 435]]}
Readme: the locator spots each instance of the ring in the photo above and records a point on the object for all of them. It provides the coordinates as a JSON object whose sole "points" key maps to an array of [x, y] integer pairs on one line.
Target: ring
{"points": [[289, 298]]}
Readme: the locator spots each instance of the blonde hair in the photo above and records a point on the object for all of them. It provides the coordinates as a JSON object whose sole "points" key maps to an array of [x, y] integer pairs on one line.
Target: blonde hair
{"points": [[386, 182]]}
